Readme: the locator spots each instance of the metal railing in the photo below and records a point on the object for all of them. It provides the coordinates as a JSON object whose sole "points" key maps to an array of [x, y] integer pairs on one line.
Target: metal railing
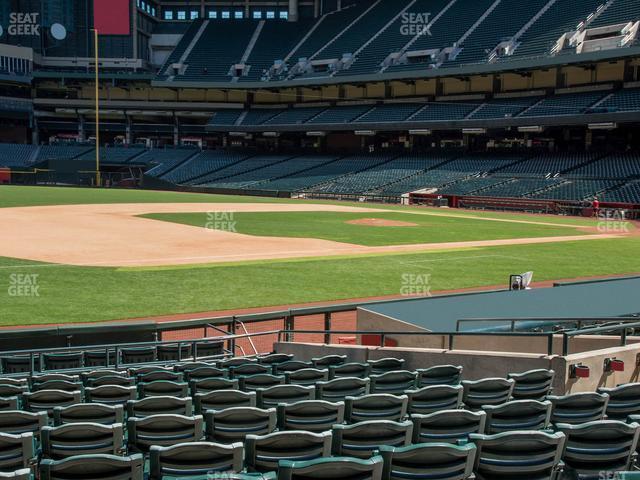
{"points": [[541, 322]]}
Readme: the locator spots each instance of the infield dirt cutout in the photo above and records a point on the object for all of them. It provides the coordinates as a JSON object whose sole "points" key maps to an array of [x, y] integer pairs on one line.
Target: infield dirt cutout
{"points": [[380, 222], [115, 235]]}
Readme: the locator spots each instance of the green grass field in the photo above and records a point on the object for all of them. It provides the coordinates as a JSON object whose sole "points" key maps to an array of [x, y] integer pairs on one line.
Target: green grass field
{"points": [[91, 294]]}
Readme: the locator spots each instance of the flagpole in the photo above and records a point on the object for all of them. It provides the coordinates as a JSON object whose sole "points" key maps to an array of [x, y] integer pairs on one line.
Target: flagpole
{"points": [[97, 94]]}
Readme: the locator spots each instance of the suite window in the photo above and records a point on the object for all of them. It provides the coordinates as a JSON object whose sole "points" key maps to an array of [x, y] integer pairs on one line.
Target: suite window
{"points": [[168, 14], [182, 15]]}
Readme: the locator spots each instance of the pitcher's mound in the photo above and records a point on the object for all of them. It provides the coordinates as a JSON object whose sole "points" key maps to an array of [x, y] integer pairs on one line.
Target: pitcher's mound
{"points": [[381, 222]]}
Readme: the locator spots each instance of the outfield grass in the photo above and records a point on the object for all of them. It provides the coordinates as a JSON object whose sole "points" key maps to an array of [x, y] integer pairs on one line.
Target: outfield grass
{"points": [[91, 294], [334, 226]]}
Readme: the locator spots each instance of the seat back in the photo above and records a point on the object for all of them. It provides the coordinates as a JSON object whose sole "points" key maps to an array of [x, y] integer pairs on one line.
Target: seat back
{"points": [[98, 358], [88, 413], [248, 369], [81, 439], [328, 360], [120, 380], [275, 358], [22, 474], [173, 352], [159, 405], [234, 424], [394, 382], [532, 385], [312, 415], [518, 415], [17, 422], [195, 458], [95, 467], [47, 400], [265, 451], [488, 391], [138, 355], [16, 451], [204, 372], [624, 401], [7, 390], [518, 455], [186, 367], [9, 403], [375, 406], [164, 430], [578, 408], [262, 380], [235, 362], [17, 363], [344, 468], [62, 361], [602, 445], [427, 461], [349, 370], [163, 388], [157, 375], [448, 426], [306, 376], [360, 440], [384, 365], [206, 385], [273, 396], [339, 388], [63, 385], [439, 375], [209, 349], [290, 366], [89, 377], [223, 399], [111, 394], [434, 398]]}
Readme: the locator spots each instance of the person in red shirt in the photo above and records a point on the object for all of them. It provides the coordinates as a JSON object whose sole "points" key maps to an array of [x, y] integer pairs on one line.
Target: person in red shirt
{"points": [[596, 206]]}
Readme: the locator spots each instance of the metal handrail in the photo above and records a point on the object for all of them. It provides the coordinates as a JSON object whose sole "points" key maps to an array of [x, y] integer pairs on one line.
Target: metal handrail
{"points": [[550, 321]]}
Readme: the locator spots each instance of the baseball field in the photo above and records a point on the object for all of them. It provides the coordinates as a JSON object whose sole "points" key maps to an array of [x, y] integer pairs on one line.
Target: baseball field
{"points": [[84, 255]]}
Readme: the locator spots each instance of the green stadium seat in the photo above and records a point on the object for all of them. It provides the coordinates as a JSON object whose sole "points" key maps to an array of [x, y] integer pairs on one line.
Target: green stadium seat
{"points": [[518, 455], [263, 452], [63, 385], [89, 377], [339, 388], [375, 406], [275, 358], [12, 390], [63, 361], [312, 415], [328, 361], [433, 398], [95, 467], [360, 440], [394, 382], [98, 358], [488, 391], [235, 362], [351, 370], [74, 439], [532, 385], [448, 426], [167, 353], [18, 451], [111, 394], [164, 431], [518, 415], [273, 396], [306, 376], [223, 399], [159, 375], [204, 372], [385, 365], [624, 401], [186, 367], [159, 405], [344, 468], [22, 474], [439, 375], [88, 413], [249, 369], [135, 372], [428, 461], [17, 422], [253, 383], [234, 424], [186, 460], [121, 380], [138, 355], [290, 366], [9, 403], [18, 364], [163, 388], [47, 400], [578, 408], [206, 385], [599, 446]]}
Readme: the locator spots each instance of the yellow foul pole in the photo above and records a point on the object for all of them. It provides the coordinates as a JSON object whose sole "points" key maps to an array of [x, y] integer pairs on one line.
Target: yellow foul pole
{"points": [[97, 93]]}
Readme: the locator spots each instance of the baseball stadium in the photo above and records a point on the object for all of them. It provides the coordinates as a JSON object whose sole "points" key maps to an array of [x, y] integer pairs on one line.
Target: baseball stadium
{"points": [[313, 239]]}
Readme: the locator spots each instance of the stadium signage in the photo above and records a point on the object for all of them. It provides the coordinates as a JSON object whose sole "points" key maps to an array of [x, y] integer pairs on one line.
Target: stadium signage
{"points": [[24, 24], [415, 24]]}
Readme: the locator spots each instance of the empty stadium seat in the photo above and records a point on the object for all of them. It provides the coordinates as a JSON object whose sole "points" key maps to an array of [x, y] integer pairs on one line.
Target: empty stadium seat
{"points": [[311, 415], [88, 413], [73, 439], [517, 415], [394, 382], [306, 376], [206, 385], [599, 446], [532, 385], [234, 424], [60, 361], [163, 388], [578, 408], [518, 454], [344, 468], [328, 360], [275, 358], [385, 365], [47, 400], [449, 426], [488, 391], [248, 369], [111, 394], [18, 451], [339, 388], [138, 355], [433, 398], [263, 452], [273, 396], [358, 370], [22, 474], [18, 422], [195, 458], [96, 467], [159, 405], [164, 430], [360, 440], [290, 366], [222, 399], [624, 401], [261, 380], [375, 406], [428, 460], [439, 375]]}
